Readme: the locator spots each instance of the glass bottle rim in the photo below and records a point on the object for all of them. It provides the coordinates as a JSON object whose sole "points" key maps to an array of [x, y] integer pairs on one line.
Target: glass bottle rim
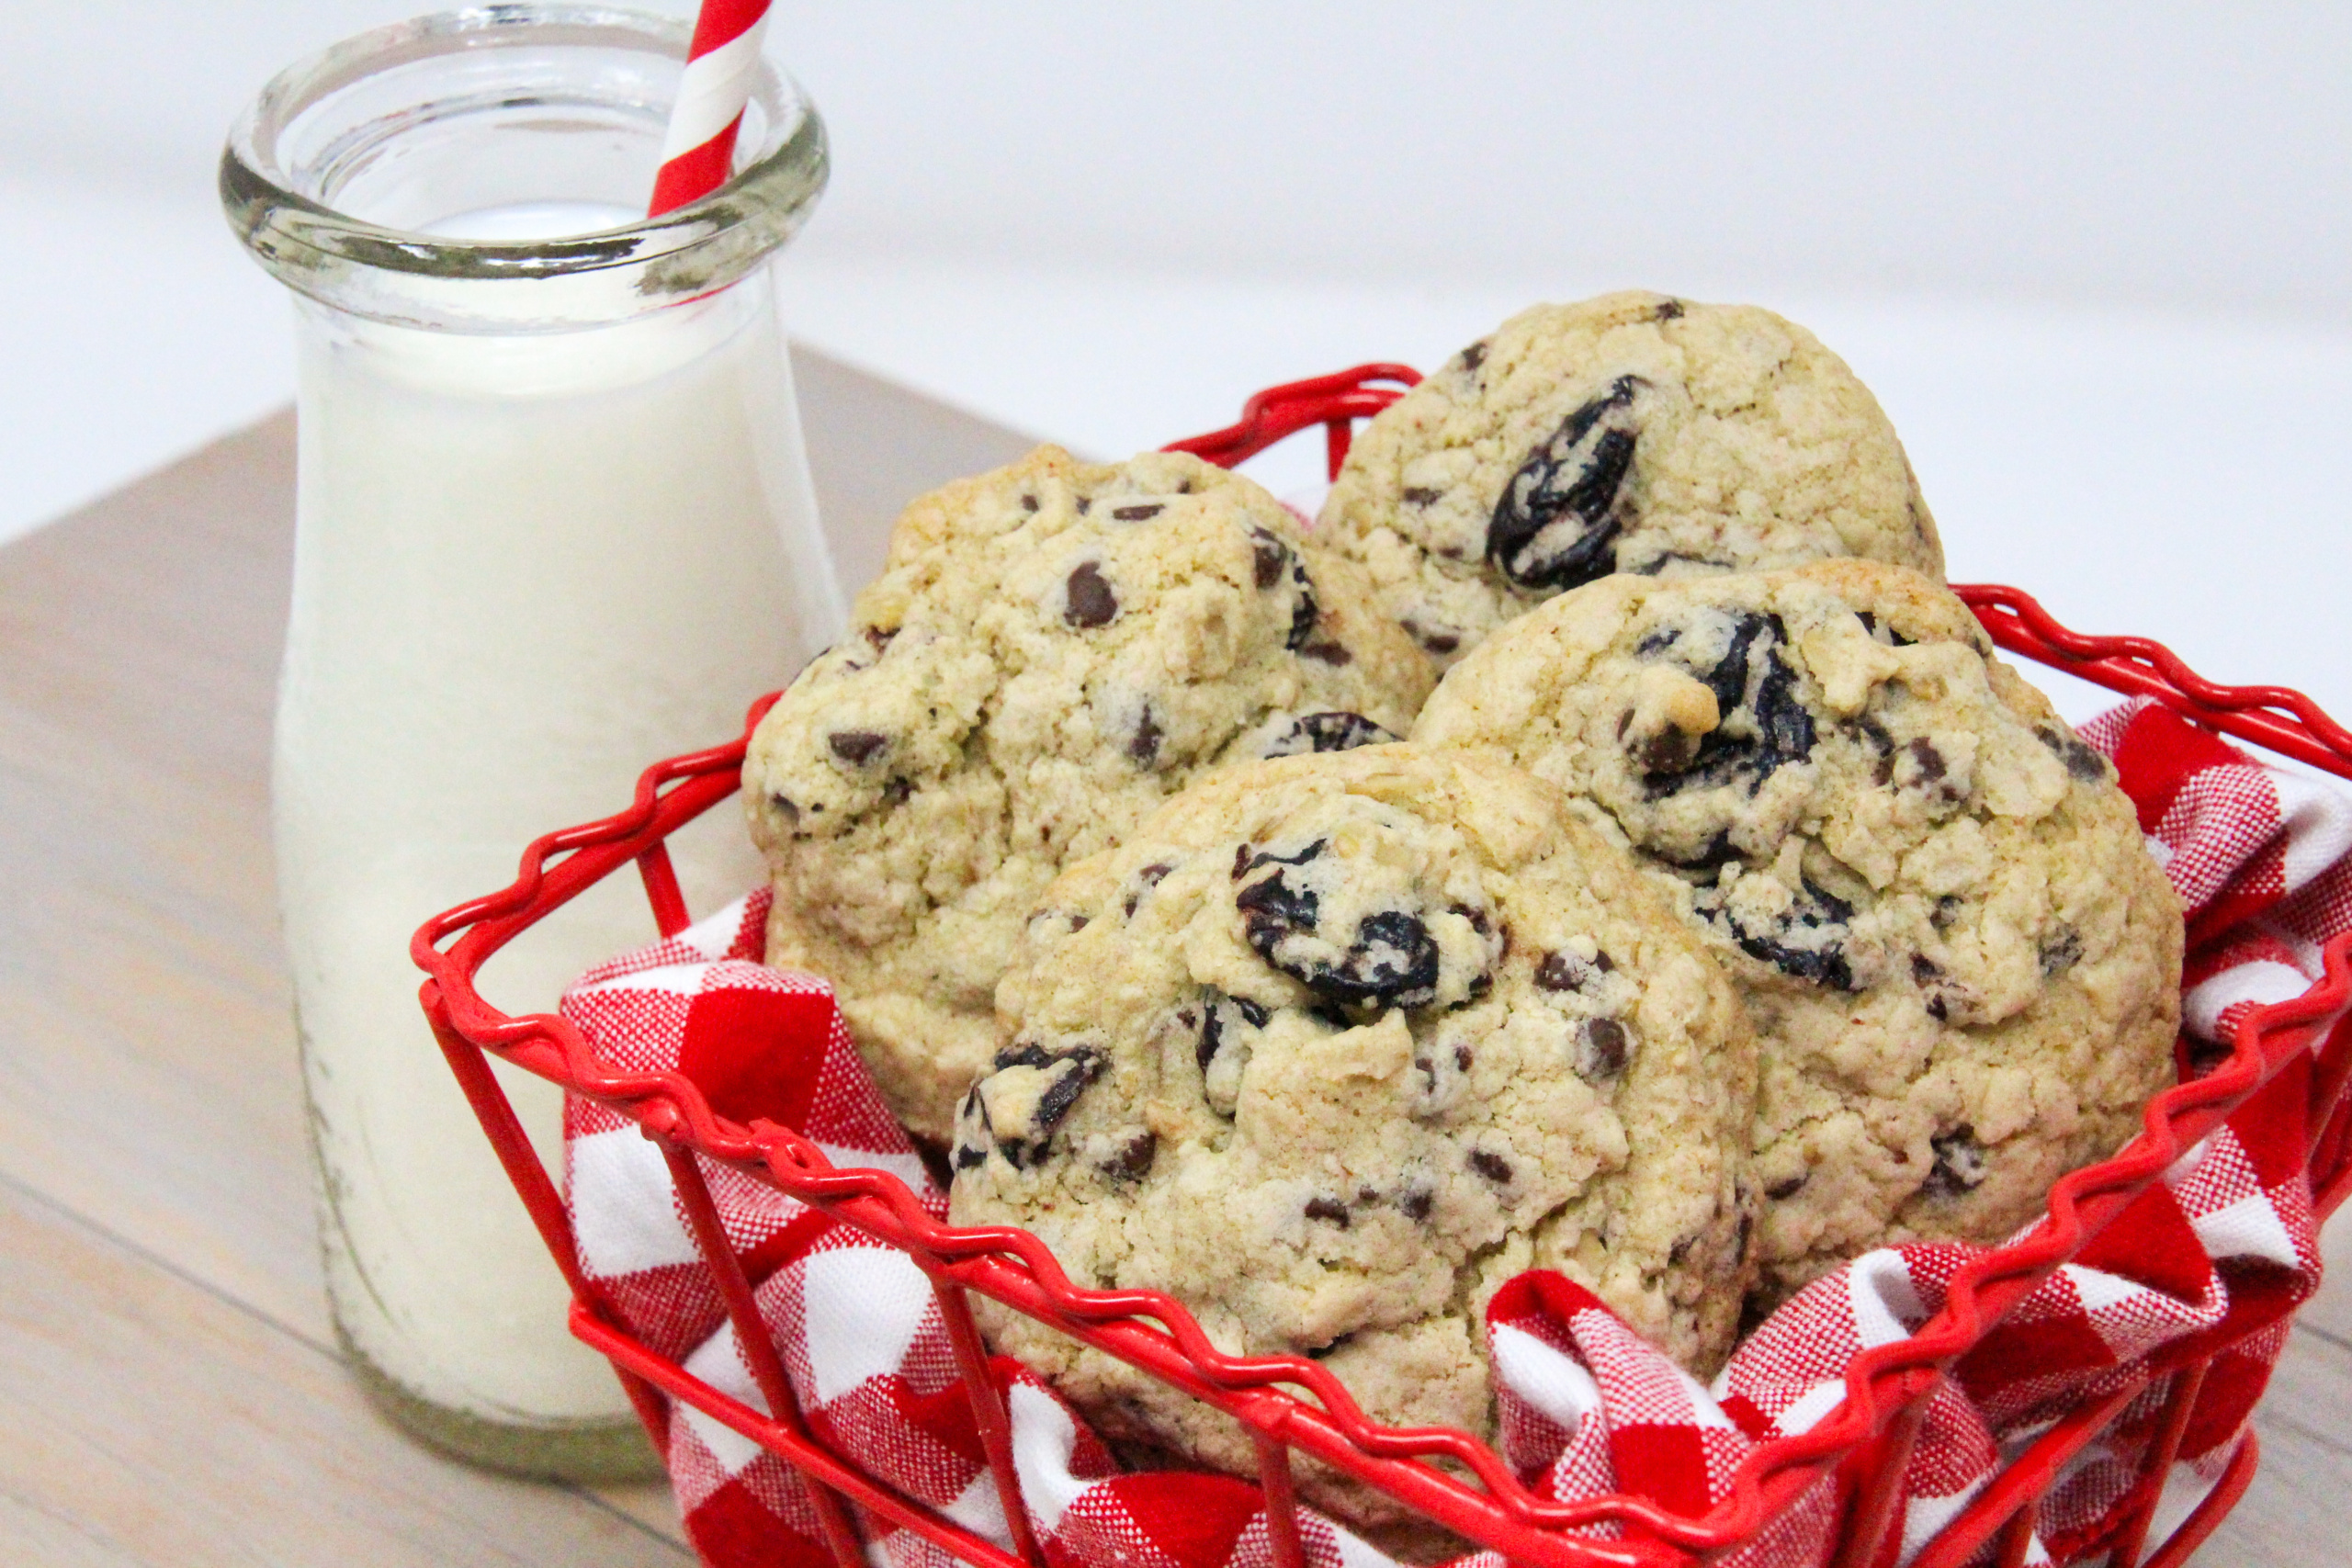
{"points": [[449, 282]]}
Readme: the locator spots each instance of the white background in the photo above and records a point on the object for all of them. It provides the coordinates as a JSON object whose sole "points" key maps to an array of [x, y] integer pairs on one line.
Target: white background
{"points": [[2092, 258]]}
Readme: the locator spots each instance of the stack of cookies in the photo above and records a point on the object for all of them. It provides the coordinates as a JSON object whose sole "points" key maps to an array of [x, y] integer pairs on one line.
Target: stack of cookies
{"points": [[1601, 843]]}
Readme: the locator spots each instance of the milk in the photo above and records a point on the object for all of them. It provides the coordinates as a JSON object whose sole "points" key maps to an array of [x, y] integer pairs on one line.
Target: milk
{"points": [[526, 566]]}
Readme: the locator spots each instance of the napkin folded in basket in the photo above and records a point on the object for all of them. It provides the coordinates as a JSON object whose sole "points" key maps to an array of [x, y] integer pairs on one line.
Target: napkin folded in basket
{"points": [[2219, 1252]]}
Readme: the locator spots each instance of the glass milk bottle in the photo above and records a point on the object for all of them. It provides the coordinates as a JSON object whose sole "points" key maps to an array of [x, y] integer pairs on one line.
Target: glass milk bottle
{"points": [[554, 523]]}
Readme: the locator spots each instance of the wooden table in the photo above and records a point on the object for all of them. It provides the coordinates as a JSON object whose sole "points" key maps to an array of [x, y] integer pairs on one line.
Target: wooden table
{"points": [[169, 1393]]}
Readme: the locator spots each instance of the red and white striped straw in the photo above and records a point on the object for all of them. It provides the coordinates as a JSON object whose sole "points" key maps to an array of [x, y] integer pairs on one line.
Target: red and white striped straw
{"points": [[722, 63]]}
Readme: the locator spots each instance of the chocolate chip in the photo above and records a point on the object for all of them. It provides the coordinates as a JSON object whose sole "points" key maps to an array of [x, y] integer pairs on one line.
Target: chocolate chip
{"points": [[1028, 504], [1146, 879], [1462, 1058], [1252, 861], [1241, 861], [1670, 750], [1713, 856], [877, 639], [1137, 514], [1557, 524], [1391, 960], [1268, 555], [1090, 600], [1026, 1146], [1948, 909], [2061, 950], [1219, 1014], [1330, 1209], [1415, 495], [1563, 972], [1728, 678], [1325, 732], [1415, 1203], [1330, 653], [1056, 1102], [1303, 616], [1928, 976], [1602, 1046], [1756, 735], [1085, 504], [1494, 1168], [1473, 356], [1433, 641], [1814, 910], [1960, 1163], [1143, 746], [2081, 762], [1134, 1159], [1786, 733], [1669, 311], [1870, 622], [1788, 1188], [783, 807], [1656, 565], [1211, 1041], [968, 1157], [1926, 762], [898, 792], [855, 746]]}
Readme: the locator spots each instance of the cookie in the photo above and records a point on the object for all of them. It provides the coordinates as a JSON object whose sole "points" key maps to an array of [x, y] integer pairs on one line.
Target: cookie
{"points": [[1962, 959], [1329, 1049], [1633, 433], [1052, 650]]}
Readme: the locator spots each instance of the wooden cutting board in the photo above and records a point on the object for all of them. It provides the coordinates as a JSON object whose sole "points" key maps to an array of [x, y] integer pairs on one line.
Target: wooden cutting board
{"points": [[169, 1395]]}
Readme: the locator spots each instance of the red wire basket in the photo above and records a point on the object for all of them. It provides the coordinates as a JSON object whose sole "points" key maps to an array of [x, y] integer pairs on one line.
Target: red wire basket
{"points": [[1864, 1444]]}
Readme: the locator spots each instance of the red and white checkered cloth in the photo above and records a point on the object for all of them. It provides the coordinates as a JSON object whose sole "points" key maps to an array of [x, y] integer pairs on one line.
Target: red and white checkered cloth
{"points": [[2220, 1252]]}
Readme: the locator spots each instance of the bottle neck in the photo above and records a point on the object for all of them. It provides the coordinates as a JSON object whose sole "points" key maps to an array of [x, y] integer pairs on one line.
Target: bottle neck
{"points": [[410, 176]]}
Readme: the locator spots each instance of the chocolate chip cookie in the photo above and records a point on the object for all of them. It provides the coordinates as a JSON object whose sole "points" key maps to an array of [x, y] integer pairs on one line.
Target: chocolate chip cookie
{"points": [[1333, 1046], [1633, 433], [1052, 650], [1962, 962]]}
